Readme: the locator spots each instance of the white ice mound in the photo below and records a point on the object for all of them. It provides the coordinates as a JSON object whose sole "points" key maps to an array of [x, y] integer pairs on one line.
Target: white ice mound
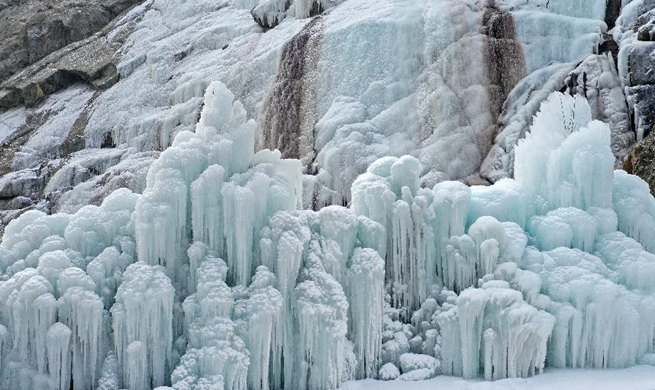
{"points": [[213, 279]]}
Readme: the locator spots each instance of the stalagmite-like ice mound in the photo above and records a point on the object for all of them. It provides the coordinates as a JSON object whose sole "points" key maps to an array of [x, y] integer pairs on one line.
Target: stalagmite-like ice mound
{"points": [[211, 187], [213, 279], [563, 203], [53, 321]]}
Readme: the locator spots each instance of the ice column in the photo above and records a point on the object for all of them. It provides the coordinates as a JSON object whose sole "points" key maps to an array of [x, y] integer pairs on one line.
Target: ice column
{"points": [[142, 321], [366, 299]]}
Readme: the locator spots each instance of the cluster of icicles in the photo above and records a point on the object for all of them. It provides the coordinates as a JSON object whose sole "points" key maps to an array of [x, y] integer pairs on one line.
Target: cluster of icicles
{"points": [[214, 279]]}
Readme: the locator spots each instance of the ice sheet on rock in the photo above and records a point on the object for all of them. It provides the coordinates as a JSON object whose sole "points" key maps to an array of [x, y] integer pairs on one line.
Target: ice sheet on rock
{"points": [[93, 174], [10, 121], [453, 131], [523, 103], [596, 79], [269, 13], [63, 109], [171, 57], [576, 37], [412, 79]]}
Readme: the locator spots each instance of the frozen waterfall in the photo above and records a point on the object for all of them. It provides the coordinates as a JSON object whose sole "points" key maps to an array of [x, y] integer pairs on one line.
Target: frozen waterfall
{"points": [[215, 279]]}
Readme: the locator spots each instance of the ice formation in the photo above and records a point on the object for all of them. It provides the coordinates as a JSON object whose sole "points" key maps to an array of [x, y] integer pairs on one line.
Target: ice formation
{"points": [[215, 279]]}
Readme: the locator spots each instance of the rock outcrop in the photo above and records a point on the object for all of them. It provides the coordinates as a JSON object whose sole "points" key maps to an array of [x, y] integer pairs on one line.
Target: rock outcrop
{"points": [[49, 47], [32, 29], [641, 160]]}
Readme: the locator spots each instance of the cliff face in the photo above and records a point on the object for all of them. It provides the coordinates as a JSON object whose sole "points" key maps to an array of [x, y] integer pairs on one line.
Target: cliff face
{"points": [[91, 92], [641, 160], [32, 29]]}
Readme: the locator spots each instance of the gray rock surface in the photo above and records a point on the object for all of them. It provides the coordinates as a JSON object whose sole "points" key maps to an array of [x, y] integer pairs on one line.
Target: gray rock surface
{"points": [[641, 83], [641, 161], [32, 29], [59, 56]]}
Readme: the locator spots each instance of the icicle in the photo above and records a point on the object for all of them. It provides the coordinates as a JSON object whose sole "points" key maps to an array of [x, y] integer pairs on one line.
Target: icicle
{"points": [[322, 323], [215, 355], [82, 311], [497, 331], [137, 365], [366, 298], [58, 341], [144, 298], [260, 313], [207, 208]]}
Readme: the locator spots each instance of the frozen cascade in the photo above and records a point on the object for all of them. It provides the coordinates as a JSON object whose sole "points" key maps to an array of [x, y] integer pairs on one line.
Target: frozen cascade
{"points": [[495, 329], [310, 257], [635, 208], [283, 245], [58, 339], [322, 310], [426, 244], [409, 282], [260, 312], [82, 311], [565, 158]]}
